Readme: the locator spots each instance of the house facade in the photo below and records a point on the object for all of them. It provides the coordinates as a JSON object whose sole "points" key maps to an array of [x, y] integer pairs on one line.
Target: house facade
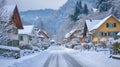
{"points": [[103, 29], [75, 35], [11, 22], [41, 34], [27, 36]]}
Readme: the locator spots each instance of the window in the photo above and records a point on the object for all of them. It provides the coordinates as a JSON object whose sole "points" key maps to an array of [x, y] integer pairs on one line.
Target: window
{"points": [[15, 30], [21, 38], [107, 25], [108, 33], [15, 43], [110, 25], [114, 25], [30, 37], [9, 42], [105, 34], [101, 34], [112, 33]]}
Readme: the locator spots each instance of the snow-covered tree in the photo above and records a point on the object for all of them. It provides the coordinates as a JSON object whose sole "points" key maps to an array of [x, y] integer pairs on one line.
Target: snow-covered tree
{"points": [[77, 11], [104, 5], [2, 2], [3, 26], [39, 23], [116, 8]]}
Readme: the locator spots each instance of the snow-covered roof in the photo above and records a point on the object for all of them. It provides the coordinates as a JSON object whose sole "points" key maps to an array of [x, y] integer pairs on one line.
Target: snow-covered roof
{"points": [[27, 30], [95, 24], [9, 47], [102, 21], [91, 24], [94, 10], [39, 34], [70, 33], [118, 34], [7, 12]]}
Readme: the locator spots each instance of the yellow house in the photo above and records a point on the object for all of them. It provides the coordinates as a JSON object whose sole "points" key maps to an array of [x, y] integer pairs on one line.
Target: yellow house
{"points": [[104, 29]]}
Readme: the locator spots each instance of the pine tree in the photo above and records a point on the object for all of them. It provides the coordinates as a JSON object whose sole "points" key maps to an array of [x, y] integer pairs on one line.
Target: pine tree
{"points": [[104, 5], [85, 9], [77, 11], [79, 6]]}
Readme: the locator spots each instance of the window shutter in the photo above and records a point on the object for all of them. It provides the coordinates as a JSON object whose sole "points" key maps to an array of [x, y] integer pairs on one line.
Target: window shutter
{"points": [[114, 24], [107, 25]]}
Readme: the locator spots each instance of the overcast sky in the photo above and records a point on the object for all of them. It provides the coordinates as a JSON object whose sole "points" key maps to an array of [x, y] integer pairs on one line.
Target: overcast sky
{"points": [[24, 5]]}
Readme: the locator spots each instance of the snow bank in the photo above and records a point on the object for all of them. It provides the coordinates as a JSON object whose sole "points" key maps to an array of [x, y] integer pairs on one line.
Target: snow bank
{"points": [[36, 60], [5, 62], [10, 48], [95, 59]]}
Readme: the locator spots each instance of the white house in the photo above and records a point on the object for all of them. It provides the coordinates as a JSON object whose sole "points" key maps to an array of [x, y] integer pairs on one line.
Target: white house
{"points": [[27, 36]]}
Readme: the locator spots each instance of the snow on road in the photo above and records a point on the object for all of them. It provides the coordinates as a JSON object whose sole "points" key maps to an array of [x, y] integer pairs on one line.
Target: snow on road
{"points": [[58, 56], [4, 61], [95, 59], [55, 56]]}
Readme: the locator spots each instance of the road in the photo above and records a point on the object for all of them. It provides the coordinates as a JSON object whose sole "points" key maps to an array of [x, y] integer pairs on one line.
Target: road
{"points": [[57, 58]]}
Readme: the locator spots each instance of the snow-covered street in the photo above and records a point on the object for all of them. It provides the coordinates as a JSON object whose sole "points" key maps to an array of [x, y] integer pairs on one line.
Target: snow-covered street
{"points": [[64, 33], [58, 56], [55, 56]]}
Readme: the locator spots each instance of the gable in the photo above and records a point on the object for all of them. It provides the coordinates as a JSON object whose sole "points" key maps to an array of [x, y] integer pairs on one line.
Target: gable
{"points": [[16, 19], [104, 20], [10, 14], [110, 20]]}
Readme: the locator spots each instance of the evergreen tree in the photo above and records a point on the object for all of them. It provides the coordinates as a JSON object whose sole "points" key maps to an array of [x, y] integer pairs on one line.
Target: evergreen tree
{"points": [[85, 9], [104, 5], [78, 10], [79, 6]]}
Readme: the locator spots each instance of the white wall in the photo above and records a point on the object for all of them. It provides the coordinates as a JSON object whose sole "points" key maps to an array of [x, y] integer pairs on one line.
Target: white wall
{"points": [[25, 40]]}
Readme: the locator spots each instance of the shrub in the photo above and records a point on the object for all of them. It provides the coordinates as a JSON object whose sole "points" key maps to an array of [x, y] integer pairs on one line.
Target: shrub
{"points": [[26, 47], [103, 45], [116, 48]]}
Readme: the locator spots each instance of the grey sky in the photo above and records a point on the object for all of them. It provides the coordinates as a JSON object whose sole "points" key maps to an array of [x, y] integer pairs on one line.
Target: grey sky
{"points": [[24, 5]]}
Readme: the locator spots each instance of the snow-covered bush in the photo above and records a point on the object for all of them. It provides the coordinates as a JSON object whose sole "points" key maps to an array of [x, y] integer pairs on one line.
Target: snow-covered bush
{"points": [[103, 44], [87, 45], [26, 47], [8, 51]]}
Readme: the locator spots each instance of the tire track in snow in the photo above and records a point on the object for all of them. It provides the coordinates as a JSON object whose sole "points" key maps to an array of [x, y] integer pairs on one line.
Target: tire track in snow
{"points": [[57, 60], [49, 60], [71, 61], [46, 64]]}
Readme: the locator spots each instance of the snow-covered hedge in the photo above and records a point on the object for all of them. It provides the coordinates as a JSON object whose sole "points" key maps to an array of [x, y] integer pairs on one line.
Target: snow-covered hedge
{"points": [[8, 51]]}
